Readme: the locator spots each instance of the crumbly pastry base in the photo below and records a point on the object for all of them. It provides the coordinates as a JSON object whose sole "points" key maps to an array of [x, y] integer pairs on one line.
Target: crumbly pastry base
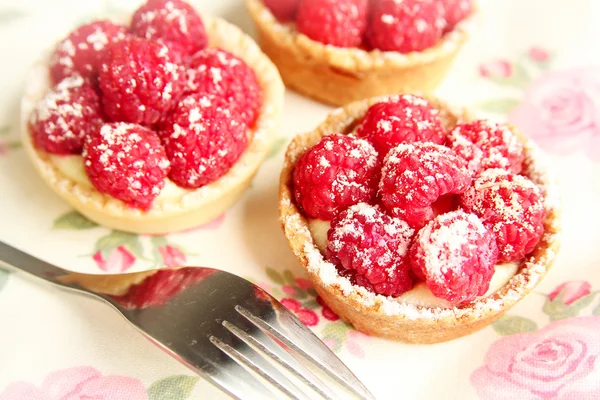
{"points": [[192, 207], [338, 76], [386, 317]]}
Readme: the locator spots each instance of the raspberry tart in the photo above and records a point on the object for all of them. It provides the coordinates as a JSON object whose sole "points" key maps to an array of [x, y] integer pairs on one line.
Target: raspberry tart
{"points": [[415, 221], [339, 51], [154, 125]]}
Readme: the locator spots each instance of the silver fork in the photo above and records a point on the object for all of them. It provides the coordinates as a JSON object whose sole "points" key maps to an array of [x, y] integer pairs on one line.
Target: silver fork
{"points": [[227, 330]]}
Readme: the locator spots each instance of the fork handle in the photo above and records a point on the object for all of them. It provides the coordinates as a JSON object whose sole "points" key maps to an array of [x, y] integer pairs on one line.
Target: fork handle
{"points": [[13, 258]]}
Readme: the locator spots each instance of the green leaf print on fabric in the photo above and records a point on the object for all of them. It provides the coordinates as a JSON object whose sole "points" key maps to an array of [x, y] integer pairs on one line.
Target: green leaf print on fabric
{"points": [[511, 324], [177, 387]]}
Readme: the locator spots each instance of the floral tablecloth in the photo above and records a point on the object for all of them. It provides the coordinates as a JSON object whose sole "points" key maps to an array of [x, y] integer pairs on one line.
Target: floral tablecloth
{"points": [[533, 62]]}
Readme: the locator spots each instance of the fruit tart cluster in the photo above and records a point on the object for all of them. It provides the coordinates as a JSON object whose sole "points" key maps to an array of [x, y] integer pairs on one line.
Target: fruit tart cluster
{"points": [[147, 103], [387, 25], [339, 51], [402, 200]]}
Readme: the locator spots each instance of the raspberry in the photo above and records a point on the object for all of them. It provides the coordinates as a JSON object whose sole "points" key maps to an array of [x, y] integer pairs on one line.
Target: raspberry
{"points": [[455, 255], [415, 175], [139, 81], [455, 11], [65, 116], [283, 10], [403, 119], [336, 173], [203, 138], [223, 74], [405, 26], [512, 207], [127, 162], [374, 245], [158, 288], [82, 51], [340, 23], [486, 145], [173, 23]]}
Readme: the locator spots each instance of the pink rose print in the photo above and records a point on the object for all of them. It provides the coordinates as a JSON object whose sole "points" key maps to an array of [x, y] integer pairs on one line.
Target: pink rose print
{"points": [[559, 362], [539, 54], [561, 111], [496, 69], [119, 260], [308, 317], [289, 290], [571, 291], [3, 148], [172, 256], [303, 284], [326, 311], [80, 383]]}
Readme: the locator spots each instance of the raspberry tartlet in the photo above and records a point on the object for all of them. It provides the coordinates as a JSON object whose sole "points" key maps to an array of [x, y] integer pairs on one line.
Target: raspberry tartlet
{"points": [[411, 239], [153, 124], [339, 51]]}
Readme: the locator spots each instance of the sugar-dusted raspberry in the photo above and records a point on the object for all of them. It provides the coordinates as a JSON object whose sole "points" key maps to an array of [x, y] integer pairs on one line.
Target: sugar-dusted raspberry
{"points": [[455, 11], [283, 10], [402, 119], [339, 171], [405, 26], [139, 81], [455, 255], [221, 73], [486, 145], [127, 162], [375, 246], [340, 23], [65, 116], [158, 288], [82, 51], [415, 175], [174, 23], [512, 207], [203, 137]]}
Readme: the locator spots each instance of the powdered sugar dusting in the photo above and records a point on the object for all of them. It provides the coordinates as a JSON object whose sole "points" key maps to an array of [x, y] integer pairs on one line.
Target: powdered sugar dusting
{"points": [[448, 243]]}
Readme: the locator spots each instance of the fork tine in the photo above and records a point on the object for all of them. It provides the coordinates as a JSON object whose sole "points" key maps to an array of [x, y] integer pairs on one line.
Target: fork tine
{"points": [[294, 334], [246, 356], [233, 379], [273, 351]]}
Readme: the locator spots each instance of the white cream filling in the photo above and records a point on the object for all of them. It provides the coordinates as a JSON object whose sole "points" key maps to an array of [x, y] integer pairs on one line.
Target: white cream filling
{"points": [[420, 295], [72, 167]]}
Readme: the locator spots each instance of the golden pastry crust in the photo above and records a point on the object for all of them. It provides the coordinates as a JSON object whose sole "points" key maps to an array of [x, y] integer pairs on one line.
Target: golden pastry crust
{"points": [[338, 76], [189, 208], [382, 316]]}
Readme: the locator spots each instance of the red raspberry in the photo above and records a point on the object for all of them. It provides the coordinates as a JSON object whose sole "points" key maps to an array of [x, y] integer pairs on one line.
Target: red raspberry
{"points": [[486, 145], [455, 11], [173, 23], [402, 119], [512, 207], [203, 138], [65, 116], [374, 245], [455, 255], [340, 23], [139, 81], [336, 173], [127, 162], [82, 51], [415, 175], [158, 288], [283, 10], [221, 73], [405, 26]]}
